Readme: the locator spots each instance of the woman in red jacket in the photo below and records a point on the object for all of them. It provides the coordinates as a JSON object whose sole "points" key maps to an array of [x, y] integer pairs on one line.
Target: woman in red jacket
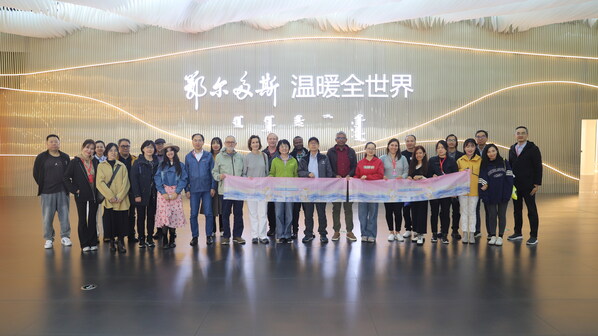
{"points": [[369, 168]]}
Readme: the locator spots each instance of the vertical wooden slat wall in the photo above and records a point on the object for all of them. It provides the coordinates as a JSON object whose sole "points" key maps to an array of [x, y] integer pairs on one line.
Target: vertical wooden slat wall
{"points": [[443, 80]]}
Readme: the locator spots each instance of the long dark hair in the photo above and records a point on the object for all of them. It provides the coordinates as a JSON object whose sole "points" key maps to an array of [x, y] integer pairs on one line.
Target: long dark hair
{"points": [[219, 141], [414, 162], [175, 160], [485, 160]]}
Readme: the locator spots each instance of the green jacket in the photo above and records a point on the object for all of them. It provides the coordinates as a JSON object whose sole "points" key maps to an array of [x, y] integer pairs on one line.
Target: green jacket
{"points": [[279, 169], [228, 164]]}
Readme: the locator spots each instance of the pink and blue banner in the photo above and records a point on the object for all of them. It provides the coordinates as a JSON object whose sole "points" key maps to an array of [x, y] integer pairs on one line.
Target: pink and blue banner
{"points": [[285, 189], [403, 190]]}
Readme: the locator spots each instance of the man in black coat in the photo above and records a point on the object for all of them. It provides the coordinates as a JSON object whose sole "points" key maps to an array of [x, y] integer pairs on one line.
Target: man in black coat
{"points": [[48, 172], [315, 165], [526, 161]]}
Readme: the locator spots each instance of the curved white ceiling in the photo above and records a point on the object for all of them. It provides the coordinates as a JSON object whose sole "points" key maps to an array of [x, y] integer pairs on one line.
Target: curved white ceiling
{"points": [[50, 19]]}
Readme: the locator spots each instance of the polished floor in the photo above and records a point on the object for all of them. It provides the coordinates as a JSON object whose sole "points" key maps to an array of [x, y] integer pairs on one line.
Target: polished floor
{"points": [[340, 288]]}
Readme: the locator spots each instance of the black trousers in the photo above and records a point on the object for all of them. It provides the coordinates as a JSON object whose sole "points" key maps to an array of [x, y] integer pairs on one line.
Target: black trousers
{"points": [[442, 204], [146, 213], [497, 211], [532, 212], [456, 213], [478, 217], [219, 224], [393, 215], [88, 235], [115, 223], [308, 209], [131, 229], [407, 216], [295, 220], [271, 217], [419, 213]]}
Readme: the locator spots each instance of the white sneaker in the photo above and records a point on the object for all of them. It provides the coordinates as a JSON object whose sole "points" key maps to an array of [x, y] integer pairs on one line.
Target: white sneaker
{"points": [[364, 238], [86, 249], [498, 241], [492, 240], [420, 240], [66, 241], [407, 234], [49, 244], [399, 237], [414, 237], [391, 237], [93, 248]]}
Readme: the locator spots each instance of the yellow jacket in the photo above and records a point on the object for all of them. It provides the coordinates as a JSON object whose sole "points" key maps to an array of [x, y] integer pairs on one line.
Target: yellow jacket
{"points": [[473, 165], [119, 188]]}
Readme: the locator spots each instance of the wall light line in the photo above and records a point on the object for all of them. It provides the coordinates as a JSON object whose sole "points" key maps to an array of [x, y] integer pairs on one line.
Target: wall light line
{"points": [[306, 38]]}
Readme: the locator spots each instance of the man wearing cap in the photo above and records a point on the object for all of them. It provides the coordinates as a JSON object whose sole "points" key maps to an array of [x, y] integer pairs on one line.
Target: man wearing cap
{"points": [[160, 149], [201, 187]]}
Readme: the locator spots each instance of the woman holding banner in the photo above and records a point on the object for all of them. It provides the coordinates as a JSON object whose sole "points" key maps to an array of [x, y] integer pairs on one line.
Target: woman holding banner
{"points": [[283, 165], [369, 168], [470, 161], [439, 165], [418, 170], [395, 167]]}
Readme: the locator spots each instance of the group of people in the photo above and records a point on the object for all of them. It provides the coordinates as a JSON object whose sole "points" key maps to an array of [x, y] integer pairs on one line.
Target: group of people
{"points": [[117, 189]]}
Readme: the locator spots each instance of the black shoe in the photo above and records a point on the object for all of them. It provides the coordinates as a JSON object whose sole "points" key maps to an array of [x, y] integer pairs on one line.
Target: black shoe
{"points": [[210, 240], [255, 241], [193, 241], [294, 235], [142, 243], [132, 239], [150, 242], [444, 239], [121, 246], [307, 239], [532, 241], [158, 234], [172, 238], [456, 235], [112, 245], [282, 241], [271, 232], [106, 240], [515, 236], [434, 237], [323, 239]]}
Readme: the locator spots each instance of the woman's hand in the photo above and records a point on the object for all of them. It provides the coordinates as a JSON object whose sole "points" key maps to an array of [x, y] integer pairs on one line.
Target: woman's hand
{"points": [[399, 177], [311, 175], [166, 197], [484, 187], [138, 199], [113, 200], [364, 177]]}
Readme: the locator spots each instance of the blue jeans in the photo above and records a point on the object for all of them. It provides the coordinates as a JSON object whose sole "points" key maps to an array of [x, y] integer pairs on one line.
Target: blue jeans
{"points": [[237, 209], [51, 204], [284, 217], [368, 219], [206, 199]]}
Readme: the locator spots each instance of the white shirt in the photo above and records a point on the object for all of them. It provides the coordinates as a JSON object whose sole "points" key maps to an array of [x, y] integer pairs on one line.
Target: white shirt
{"points": [[198, 155]]}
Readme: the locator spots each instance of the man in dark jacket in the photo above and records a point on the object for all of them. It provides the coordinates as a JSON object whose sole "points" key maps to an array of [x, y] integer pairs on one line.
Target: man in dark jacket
{"points": [[526, 162], [125, 156], [343, 161], [48, 172], [299, 152], [315, 165]]}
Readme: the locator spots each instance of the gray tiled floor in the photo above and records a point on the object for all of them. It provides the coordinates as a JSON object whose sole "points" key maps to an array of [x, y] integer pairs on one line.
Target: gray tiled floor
{"points": [[334, 289]]}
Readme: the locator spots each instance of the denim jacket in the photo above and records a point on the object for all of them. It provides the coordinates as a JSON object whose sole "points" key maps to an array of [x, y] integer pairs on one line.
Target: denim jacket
{"points": [[168, 176]]}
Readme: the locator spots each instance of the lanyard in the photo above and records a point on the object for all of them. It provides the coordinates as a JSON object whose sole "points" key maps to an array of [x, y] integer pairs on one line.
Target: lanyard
{"points": [[442, 163]]}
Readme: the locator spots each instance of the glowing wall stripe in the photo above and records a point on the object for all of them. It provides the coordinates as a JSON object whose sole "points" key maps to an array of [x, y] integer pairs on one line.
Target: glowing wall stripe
{"points": [[409, 130], [308, 38]]}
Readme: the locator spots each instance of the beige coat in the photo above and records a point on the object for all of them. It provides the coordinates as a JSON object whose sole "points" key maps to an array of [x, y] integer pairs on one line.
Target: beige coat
{"points": [[119, 187]]}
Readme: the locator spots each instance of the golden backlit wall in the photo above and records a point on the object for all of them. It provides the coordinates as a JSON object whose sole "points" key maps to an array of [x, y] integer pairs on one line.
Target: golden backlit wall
{"points": [[146, 99]]}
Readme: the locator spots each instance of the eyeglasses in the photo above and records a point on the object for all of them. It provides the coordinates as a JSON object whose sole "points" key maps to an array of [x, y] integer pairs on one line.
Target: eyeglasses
{"points": [[125, 146], [341, 138]]}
